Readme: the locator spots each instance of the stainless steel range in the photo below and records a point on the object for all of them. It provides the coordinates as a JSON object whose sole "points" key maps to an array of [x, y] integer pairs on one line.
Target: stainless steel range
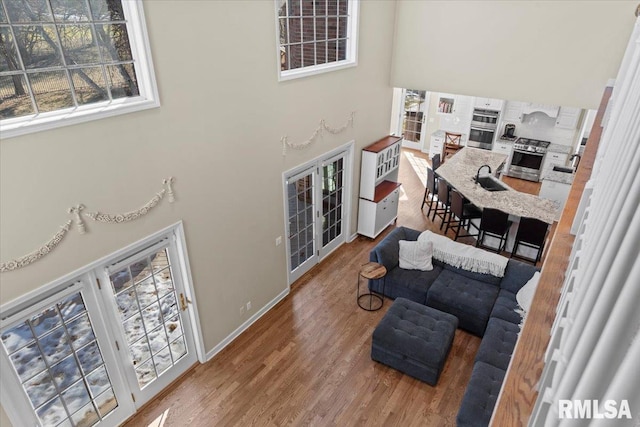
{"points": [[527, 158]]}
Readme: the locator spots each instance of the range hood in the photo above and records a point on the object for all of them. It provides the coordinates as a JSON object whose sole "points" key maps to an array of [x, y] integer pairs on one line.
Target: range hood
{"points": [[549, 110]]}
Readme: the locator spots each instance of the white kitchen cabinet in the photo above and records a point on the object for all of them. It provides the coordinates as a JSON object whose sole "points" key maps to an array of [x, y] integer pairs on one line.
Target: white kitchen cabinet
{"points": [[552, 159], [512, 112], [502, 147], [376, 215], [505, 148], [568, 117], [459, 120], [437, 144], [489, 104], [379, 189], [556, 191]]}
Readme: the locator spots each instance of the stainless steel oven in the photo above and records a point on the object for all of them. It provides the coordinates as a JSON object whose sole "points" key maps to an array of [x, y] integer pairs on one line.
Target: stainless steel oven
{"points": [[526, 165], [481, 138], [483, 128], [488, 118], [527, 159]]}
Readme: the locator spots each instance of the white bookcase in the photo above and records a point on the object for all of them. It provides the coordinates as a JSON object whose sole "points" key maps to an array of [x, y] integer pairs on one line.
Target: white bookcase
{"points": [[379, 186]]}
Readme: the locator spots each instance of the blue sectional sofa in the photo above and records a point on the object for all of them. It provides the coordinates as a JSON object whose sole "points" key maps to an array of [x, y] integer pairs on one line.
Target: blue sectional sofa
{"points": [[485, 306]]}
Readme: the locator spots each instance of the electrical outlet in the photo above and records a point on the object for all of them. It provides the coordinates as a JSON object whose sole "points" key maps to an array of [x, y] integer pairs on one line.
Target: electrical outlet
{"points": [[249, 306], [241, 310], [278, 240]]}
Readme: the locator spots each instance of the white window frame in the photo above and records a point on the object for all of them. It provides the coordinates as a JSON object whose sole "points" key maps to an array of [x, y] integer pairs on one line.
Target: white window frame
{"points": [[352, 48], [17, 405], [148, 90], [348, 151]]}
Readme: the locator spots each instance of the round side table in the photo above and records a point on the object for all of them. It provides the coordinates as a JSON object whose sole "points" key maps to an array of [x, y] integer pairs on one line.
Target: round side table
{"points": [[371, 270]]}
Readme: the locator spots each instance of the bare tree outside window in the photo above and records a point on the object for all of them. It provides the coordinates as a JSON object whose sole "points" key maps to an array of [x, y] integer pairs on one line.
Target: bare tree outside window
{"points": [[57, 54]]}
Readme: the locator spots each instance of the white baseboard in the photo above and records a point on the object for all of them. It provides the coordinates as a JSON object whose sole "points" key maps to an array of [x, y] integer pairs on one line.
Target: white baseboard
{"points": [[352, 238], [233, 335]]}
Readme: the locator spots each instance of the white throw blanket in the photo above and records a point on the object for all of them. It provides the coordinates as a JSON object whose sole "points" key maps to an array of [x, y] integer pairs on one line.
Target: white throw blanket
{"points": [[464, 256]]}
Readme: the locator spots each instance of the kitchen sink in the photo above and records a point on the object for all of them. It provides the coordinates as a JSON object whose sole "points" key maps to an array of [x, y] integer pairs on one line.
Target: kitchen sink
{"points": [[562, 169], [490, 184]]}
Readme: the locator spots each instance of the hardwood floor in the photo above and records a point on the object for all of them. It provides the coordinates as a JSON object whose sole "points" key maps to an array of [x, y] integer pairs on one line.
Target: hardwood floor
{"points": [[307, 361]]}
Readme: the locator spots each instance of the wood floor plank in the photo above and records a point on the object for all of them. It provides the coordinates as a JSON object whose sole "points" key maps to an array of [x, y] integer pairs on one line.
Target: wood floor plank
{"points": [[307, 361]]}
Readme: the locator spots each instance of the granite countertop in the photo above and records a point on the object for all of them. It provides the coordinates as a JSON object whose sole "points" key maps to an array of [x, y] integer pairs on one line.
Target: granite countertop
{"points": [[561, 177], [559, 148], [460, 171]]}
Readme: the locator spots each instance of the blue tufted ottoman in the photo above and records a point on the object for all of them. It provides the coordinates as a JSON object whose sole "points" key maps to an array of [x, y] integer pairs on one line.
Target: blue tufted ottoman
{"points": [[414, 339], [481, 395], [471, 301]]}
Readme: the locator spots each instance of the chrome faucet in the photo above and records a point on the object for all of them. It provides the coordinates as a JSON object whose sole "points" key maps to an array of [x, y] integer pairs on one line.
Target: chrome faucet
{"points": [[577, 162], [480, 168]]}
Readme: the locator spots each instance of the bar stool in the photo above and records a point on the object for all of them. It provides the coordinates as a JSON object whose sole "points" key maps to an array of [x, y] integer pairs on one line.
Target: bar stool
{"points": [[531, 233], [442, 206], [429, 191], [451, 144], [435, 162], [465, 212], [493, 223]]}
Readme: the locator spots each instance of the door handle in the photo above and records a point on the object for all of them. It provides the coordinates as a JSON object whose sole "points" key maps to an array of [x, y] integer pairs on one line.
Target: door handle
{"points": [[184, 301]]}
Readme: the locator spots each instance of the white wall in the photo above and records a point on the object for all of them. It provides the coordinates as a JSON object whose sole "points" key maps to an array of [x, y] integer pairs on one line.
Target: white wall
{"points": [[540, 126], [551, 52], [218, 133]]}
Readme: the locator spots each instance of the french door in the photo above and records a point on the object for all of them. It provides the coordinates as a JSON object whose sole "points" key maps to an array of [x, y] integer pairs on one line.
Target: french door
{"points": [[332, 204], [412, 121], [315, 212], [92, 349], [302, 224], [148, 305], [61, 365]]}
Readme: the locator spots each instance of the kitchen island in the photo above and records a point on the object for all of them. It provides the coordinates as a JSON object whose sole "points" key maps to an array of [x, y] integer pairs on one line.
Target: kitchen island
{"points": [[460, 171], [556, 187]]}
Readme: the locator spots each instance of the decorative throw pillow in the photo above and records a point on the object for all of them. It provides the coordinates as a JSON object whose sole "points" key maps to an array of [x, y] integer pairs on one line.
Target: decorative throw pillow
{"points": [[525, 294], [416, 255]]}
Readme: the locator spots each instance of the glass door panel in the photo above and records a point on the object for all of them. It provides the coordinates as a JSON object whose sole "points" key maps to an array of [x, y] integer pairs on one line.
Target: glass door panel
{"points": [[60, 365], [332, 179], [150, 306], [301, 214], [413, 119]]}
